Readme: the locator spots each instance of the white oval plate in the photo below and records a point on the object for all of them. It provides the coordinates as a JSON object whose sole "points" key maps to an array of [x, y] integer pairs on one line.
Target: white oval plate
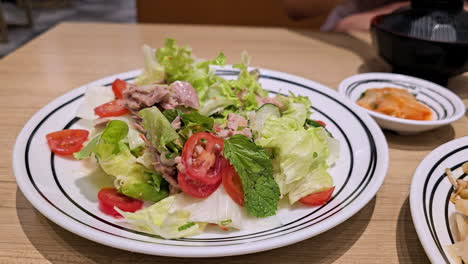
{"points": [[446, 106], [430, 192], [60, 189]]}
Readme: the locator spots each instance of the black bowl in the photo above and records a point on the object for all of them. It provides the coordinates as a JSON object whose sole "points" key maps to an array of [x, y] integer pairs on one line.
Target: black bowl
{"points": [[421, 56]]}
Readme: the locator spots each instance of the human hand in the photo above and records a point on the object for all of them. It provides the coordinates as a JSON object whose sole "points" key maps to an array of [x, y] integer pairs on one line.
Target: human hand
{"points": [[361, 21]]}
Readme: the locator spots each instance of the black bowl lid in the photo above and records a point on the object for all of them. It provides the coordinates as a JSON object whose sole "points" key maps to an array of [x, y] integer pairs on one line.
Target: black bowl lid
{"points": [[422, 21]]}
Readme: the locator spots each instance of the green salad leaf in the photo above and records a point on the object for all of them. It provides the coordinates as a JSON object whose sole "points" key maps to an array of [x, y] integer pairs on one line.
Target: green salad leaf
{"points": [[159, 131], [88, 149], [107, 143], [179, 65], [300, 156], [247, 85], [153, 72], [216, 105], [115, 131], [254, 166], [295, 106], [206, 123], [159, 220], [132, 178], [116, 159], [171, 114]]}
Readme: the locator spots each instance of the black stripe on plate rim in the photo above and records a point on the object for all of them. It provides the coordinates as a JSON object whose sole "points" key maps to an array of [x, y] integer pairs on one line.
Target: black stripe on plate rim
{"points": [[428, 216], [369, 135], [351, 87]]}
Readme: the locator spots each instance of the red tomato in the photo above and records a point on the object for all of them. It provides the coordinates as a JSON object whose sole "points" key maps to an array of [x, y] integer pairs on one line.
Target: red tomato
{"points": [[114, 108], [109, 197], [321, 123], [318, 198], [68, 141], [118, 86], [195, 188], [202, 158], [233, 185]]}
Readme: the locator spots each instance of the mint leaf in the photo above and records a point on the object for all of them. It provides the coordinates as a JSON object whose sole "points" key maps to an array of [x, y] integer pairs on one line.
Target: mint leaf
{"points": [[254, 166], [205, 122], [171, 114]]}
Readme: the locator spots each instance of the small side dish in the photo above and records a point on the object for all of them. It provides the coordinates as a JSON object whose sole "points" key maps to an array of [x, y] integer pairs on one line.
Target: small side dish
{"points": [[394, 102], [389, 99], [459, 198]]}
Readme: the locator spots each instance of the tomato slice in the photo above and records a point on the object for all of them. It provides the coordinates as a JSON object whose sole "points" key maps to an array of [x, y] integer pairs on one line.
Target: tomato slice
{"points": [[318, 198], [110, 198], [202, 158], [118, 86], [114, 108], [67, 142], [195, 188], [233, 185]]}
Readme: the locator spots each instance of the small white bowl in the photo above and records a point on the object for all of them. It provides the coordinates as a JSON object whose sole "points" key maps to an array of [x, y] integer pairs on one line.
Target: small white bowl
{"points": [[446, 106]]}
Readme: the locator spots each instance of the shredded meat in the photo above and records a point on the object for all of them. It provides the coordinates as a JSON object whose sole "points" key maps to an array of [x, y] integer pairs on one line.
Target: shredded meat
{"points": [[234, 121], [139, 127], [101, 122], [180, 166], [169, 173], [268, 100], [184, 94], [139, 97], [167, 97], [176, 123], [236, 125]]}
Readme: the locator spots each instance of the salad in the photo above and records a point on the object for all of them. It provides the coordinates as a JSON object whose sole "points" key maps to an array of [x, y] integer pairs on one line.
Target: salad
{"points": [[187, 149]]}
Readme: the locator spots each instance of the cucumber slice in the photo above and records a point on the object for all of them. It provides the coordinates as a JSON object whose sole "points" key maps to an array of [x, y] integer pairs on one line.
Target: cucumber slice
{"points": [[261, 115]]}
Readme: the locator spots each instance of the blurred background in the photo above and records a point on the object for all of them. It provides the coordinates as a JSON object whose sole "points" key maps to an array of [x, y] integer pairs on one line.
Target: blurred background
{"points": [[22, 20]]}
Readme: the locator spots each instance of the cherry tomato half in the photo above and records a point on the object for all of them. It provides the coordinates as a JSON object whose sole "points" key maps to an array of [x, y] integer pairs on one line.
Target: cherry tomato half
{"points": [[118, 86], [114, 108], [233, 185], [109, 197], [202, 158], [195, 188], [67, 142], [318, 198]]}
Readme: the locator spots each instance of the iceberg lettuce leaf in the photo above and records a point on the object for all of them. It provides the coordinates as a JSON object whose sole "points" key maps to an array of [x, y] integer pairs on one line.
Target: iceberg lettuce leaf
{"points": [[300, 156], [160, 132], [161, 220], [153, 72]]}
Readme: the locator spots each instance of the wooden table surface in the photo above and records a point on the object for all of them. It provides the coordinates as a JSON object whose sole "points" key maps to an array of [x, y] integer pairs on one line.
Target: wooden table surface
{"points": [[71, 55]]}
